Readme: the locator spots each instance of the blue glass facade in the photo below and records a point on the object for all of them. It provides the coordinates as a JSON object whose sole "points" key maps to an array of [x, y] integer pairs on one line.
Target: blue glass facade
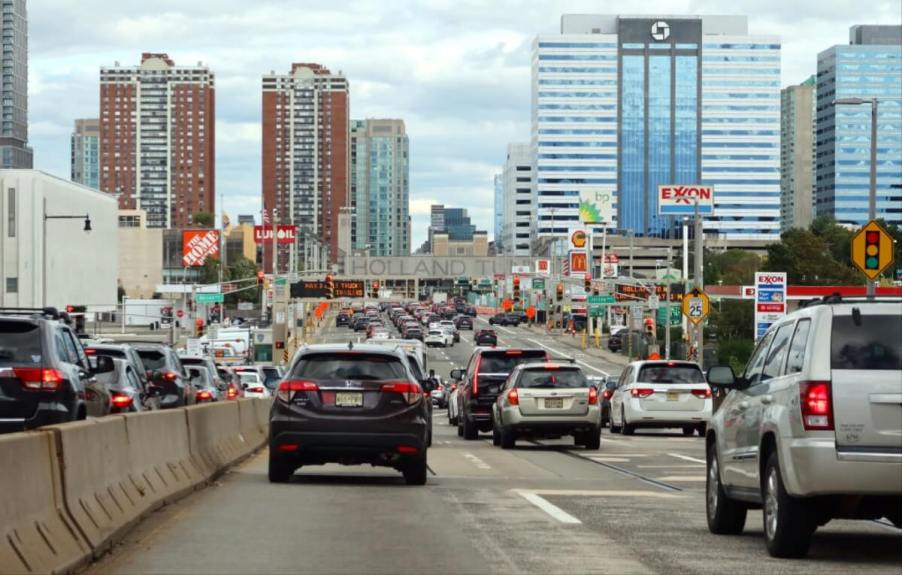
{"points": [[632, 143], [844, 132]]}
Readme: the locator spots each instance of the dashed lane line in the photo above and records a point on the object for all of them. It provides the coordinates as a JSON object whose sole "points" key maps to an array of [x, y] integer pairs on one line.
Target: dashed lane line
{"points": [[687, 458], [692, 478], [551, 509], [579, 361], [478, 463]]}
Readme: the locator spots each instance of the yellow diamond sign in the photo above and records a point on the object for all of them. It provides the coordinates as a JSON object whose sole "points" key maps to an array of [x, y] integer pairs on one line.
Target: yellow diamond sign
{"points": [[696, 306], [872, 249]]}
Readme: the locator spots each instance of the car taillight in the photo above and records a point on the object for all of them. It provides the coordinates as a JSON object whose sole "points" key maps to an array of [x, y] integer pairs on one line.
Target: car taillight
{"points": [[702, 393], [90, 351], [411, 392], [204, 394], [288, 388], [607, 393], [121, 400], [817, 405], [255, 389], [453, 387], [513, 352], [593, 396], [641, 392], [513, 397], [39, 379], [407, 449], [170, 376], [231, 393]]}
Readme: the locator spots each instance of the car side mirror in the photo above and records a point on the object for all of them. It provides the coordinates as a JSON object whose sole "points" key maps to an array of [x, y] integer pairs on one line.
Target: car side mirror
{"points": [[244, 386], [457, 374], [723, 376]]}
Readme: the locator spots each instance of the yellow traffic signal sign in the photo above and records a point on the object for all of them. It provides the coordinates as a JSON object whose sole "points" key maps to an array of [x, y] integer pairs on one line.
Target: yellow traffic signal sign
{"points": [[872, 249], [696, 306]]}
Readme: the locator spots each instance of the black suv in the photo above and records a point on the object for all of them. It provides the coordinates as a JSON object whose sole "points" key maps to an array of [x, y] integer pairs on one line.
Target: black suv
{"points": [[165, 370], [504, 319], [463, 322], [342, 319], [481, 382], [44, 371], [352, 405]]}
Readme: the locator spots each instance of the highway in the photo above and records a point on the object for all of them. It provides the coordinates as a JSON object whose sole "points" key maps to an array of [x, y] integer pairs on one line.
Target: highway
{"points": [[635, 506]]}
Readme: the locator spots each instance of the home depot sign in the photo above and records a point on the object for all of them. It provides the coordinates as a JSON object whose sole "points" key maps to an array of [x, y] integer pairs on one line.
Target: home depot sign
{"points": [[681, 200], [198, 245]]}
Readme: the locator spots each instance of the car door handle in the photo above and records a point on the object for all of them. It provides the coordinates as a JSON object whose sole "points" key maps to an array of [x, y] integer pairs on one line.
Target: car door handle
{"points": [[767, 399], [743, 405]]}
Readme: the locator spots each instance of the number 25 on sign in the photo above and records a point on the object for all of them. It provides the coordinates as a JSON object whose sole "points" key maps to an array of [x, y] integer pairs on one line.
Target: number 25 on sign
{"points": [[696, 306]]}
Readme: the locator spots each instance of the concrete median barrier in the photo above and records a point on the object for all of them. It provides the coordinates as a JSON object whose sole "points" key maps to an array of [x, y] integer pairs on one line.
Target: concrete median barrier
{"points": [[160, 454], [102, 495], [214, 433], [263, 408], [37, 535], [253, 430]]}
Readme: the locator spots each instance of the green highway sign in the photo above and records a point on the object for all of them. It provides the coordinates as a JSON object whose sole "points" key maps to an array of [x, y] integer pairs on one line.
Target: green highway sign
{"points": [[601, 300], [538, 283], [208, 298], [596, 311], [675, 315]]}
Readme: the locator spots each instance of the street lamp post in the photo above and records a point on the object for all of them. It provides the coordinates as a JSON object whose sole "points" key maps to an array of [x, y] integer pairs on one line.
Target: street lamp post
{"points": [[87, 228], [872, 192]]}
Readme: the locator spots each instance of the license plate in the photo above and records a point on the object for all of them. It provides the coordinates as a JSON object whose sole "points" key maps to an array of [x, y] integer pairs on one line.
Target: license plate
{"points": [[673, 396], [554, 403], [349, 399]]}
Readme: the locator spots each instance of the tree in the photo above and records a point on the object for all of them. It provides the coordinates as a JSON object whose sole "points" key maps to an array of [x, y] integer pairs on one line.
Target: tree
{"points": [[203, 219], [810, 259], [732, 267], [243, 268]]}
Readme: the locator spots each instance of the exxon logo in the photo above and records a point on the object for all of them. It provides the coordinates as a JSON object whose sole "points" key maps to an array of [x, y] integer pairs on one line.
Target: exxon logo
{"points": [[771, 279], [686, 194]]}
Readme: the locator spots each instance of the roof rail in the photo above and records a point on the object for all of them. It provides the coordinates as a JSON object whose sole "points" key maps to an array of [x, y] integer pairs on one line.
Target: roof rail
{"points": [[837, 298], [46, 312]]}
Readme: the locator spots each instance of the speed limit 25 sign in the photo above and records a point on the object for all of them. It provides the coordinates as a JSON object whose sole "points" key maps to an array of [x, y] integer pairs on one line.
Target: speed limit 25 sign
{"points": [[696, 306]]}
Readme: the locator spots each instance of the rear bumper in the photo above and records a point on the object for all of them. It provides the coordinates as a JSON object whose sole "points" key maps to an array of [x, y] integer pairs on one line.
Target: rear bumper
{"points": [[49, 413], [349, 448], [641, 417], [552, 427], [811, 466]]}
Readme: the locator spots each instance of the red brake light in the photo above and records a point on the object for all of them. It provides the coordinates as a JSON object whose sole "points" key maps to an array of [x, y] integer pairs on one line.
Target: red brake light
{"points": [[289, 387], [170, 376], [513, 352], [551, 366], [288, 447], [90, 351], [39, 379], [817, 405], [411, 392], [204, 394], [593, 396], [641, 392], [231, 393], [475, 389], [607, 393], [121, 400], [255, 389], [407, 449], [513, 397], [702, 393]]}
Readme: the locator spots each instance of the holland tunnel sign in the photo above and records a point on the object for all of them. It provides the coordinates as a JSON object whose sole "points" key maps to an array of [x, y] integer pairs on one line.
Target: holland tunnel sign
{"points": [[433, 267], [680, 199]]}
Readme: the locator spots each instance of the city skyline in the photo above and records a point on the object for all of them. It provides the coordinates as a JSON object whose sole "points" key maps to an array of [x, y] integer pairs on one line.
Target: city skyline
{"points": [[488, 59]]}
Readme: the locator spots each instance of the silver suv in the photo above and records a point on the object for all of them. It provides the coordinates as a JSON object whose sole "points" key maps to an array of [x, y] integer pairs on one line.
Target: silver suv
{"points": [[812, 431]]}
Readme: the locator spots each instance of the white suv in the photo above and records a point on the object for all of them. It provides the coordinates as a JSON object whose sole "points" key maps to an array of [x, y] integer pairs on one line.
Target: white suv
{"points": [[812, 430]]}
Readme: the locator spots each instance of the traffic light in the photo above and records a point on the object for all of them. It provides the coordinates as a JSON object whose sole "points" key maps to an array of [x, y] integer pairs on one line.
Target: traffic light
{"points": [[516, 281], [588, 283], [330, 287], [198, 328], [560, 292], [77, 314], [872, 250], [650, 329], [374, 285], [260, 277]]}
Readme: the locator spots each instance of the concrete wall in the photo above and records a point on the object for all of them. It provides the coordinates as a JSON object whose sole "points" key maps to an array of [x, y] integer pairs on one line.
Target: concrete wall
{"points": [[140, 261], [82, 268]]}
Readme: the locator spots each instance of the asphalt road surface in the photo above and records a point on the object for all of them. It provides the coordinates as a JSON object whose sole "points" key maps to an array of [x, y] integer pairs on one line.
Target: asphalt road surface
{"points": [[635, 506]]}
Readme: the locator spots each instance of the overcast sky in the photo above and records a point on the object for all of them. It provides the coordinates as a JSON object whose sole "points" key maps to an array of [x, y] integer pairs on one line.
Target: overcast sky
{"points": [[456, 71]]}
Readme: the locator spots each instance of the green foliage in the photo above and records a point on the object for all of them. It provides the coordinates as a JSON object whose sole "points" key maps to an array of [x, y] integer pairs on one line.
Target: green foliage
{"points": [[203, 219], [735, 353], [817, 256], [732, 319], [732, 267], [241, 269]]}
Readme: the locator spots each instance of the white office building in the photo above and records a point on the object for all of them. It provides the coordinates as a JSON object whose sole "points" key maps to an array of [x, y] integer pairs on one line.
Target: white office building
{"points": [[517, 202]]}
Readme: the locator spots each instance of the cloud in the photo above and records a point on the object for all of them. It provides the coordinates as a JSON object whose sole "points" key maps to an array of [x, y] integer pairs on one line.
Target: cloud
{"points": [[456, 71]]}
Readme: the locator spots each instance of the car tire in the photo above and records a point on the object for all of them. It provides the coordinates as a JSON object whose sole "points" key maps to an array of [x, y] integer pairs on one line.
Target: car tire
{"points": [[471, 432], [593, 439], [416, 471], [725, 516], [429, 438], [460, 426], [496, 435], [614, 428], [279, 470], [702, 429], [625, 428], [508, 438], [787, 521], [688, 431]]}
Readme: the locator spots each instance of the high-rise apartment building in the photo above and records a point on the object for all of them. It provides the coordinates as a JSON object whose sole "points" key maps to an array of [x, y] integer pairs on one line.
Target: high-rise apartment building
{"points": [[870, 66], [622, 105], [797, 133], [305, 152], [14, 149], [455, 222], [85, 159], [498, 218], [380, 187], [157, 141], [517, 219]]}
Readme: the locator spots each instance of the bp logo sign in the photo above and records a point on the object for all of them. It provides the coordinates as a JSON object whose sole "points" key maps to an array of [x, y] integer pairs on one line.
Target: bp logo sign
{"points": [[660, 30]]}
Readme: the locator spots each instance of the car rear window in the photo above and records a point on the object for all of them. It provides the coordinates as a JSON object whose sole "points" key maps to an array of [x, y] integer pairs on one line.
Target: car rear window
{"points": [[20, 342], [152, 359], [349, 366], [872, 343], [552, 379], [505, 362], [109, 352], [670, 374]]}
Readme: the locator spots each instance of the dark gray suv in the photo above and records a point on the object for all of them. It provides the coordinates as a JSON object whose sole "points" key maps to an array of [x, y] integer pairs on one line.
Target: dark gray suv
{"points": [[351, 405]]}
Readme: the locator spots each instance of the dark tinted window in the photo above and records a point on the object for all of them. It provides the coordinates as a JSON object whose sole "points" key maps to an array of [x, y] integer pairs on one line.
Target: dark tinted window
{"points": [[872, 343], [773, 365], [502, 362], [670, 374], [152, 359], [20, 342], [415, 368], [349, 366], [199, 375], [796, 360], [109, 352], [552, 379]]}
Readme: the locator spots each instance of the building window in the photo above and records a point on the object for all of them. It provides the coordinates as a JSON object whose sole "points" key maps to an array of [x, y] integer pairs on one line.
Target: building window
{"points": [[12, 285], [11, 212]]}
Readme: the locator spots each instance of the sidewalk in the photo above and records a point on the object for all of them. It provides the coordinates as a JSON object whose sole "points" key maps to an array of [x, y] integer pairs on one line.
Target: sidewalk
{"points": [[576, 344]]}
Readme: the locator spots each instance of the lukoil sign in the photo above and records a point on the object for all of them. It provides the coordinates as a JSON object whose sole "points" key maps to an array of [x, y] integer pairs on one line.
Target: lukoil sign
{"points": [[676, 199], [286, 234]]}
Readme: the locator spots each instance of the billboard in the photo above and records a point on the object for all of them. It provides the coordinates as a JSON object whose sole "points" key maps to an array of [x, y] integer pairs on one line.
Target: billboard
{"points": [[579, 262], [320, 289], [770, 300], [596, 205], [679, 200], [198, 245], [543, 267], [286, 234]]}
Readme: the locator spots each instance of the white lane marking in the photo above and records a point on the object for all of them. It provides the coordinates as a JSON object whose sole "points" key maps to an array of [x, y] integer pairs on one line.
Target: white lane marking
{"points": [[614, 454], [687, 466], [480, 464], [579, 361], [693, 478], [611, 459], [687, 458], [600, 493], [553, 510]]}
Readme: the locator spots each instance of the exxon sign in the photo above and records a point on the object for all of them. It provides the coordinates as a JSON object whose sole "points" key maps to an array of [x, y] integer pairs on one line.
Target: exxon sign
{"points": [[681, 199]]}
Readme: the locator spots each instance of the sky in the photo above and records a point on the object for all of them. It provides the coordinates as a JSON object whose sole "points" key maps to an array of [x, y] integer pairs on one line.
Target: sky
{"points": [[456, 71]]}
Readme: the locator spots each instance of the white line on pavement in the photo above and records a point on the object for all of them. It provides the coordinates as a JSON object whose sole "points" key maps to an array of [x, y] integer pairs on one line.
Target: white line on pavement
{"points": [[480, 464], [605, 459], [549, 508], [579, 361], [687, 466], [687, 458], [599, 493], [681, 478]]}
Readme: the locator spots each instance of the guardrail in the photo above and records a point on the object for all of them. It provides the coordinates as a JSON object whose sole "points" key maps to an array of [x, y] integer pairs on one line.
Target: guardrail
{"points": [[70, 491]]}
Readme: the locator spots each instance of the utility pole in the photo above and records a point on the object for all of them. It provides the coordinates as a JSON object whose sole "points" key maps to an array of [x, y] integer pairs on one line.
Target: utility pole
{"points": [[872, 195], [699, 280]]}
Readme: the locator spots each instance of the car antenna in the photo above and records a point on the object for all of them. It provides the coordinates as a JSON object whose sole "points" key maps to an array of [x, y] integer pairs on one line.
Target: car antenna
{"points": [[350, 345]]}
